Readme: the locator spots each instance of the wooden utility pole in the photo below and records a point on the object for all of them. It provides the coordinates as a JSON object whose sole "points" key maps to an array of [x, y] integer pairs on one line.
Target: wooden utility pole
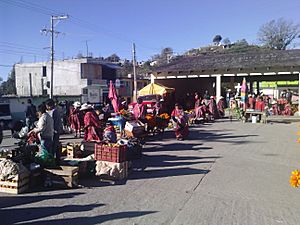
{"points": [[134, 73]]}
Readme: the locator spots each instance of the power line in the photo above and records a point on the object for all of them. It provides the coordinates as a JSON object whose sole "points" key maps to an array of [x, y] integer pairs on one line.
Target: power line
{"points": [[18, 45], [6, 65], [79, 22], [13, 52]]}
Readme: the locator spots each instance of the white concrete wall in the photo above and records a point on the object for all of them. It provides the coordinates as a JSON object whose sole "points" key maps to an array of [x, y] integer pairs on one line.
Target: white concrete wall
{"points": [[22, 78], [67, 78]]}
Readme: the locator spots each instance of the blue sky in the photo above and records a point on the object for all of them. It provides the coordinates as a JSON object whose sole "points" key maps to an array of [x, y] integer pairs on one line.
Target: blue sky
{"points": [[110, 26]]}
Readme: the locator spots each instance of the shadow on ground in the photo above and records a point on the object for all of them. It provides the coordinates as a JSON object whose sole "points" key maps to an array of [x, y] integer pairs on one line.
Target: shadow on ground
{"points": [[15, 200], [14, 210], [86, 220]]}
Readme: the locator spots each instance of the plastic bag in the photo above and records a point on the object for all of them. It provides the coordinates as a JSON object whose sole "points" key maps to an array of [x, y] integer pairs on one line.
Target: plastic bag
{"points": [[45, 158]]}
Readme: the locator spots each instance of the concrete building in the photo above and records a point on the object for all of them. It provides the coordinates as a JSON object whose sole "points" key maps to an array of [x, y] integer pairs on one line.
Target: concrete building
{"points": [[86, 78]]}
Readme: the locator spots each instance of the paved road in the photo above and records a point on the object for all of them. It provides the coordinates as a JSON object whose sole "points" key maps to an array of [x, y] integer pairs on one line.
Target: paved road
{"points": [[226, 173]]}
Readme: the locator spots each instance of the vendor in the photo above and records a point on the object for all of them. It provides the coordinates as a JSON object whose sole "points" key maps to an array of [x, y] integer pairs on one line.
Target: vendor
{"points": [[92, 124], [140, 110], [180, 122], [76, 119], [109, 134], [45, 129]]}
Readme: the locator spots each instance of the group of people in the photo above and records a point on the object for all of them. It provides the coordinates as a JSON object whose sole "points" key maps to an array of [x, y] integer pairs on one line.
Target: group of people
{"points": [[271, 106], [206, 107], [47, 120], [48, 127]]}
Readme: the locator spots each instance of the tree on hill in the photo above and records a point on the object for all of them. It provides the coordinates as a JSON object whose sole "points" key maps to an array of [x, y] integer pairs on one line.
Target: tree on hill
{"points": [[241, 42], [217, 39], [164, 56], [113, 58], [226, 41], [278, 34]]}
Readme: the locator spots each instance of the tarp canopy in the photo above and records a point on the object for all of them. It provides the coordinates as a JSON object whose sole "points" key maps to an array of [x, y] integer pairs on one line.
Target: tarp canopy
{"points": [[155, 89]]}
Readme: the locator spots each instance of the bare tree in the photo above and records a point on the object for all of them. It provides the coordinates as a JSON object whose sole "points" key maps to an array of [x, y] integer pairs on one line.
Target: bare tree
{"points": [[278, 34]]}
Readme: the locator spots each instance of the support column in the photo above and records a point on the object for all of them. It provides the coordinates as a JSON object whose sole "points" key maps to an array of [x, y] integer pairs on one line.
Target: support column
{"points": [[257, 87], [251, 87], [232, 83], [218, 87], [152, 78]]}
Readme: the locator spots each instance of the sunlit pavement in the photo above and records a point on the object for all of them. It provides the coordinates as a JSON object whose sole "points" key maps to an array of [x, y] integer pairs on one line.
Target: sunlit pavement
{"points": [[225, 173]]}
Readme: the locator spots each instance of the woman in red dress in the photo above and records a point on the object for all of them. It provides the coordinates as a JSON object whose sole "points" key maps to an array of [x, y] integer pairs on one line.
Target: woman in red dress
{"points": [[92, 124], [76, 118], [180, 122], [221, 106]]}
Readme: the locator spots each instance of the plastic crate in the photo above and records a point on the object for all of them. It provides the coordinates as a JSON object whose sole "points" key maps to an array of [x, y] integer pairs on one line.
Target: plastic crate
{"points": [[109, 153]]}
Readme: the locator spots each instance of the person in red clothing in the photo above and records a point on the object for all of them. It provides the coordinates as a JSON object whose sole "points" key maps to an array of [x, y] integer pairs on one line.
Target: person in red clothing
{"points": [[76, 118], [221, 106], [275, 108], [180, 122], [251, 102], [92, 124], [287, 110], [213, 109], [140, 110], [260, 105]]}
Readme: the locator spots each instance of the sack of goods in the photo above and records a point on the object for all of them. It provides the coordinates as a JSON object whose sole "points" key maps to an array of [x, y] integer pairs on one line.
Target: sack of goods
{"points": [[111, 170], [14, 177]]}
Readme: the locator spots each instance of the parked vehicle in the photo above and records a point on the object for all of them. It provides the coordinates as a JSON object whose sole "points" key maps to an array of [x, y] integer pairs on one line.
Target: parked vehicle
{"points": [[1, 134], [5, 115]]}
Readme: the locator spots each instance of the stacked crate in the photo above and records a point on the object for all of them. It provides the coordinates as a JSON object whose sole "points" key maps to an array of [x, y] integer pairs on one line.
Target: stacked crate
{"points": [[17, 185], [64, 175], [111, 161]]}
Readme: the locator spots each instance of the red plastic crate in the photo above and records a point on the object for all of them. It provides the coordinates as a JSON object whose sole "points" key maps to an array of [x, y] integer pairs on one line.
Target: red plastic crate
{"points": [[110, 154]]}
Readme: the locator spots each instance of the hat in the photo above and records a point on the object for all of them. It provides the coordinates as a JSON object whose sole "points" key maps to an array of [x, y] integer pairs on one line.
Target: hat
{"points": [[161, 100], [85, 106], [124, 102], [221, 97], [77, 104], [250, 95], [211, 96], [273, 102]]}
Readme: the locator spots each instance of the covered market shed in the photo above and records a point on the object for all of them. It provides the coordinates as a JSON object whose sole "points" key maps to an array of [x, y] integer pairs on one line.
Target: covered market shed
{"points": [[210, 71]]}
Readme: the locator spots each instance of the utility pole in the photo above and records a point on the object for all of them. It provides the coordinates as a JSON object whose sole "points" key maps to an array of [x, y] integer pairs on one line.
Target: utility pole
{"points": [[52, 32], [134, 73], [87, 49]]}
